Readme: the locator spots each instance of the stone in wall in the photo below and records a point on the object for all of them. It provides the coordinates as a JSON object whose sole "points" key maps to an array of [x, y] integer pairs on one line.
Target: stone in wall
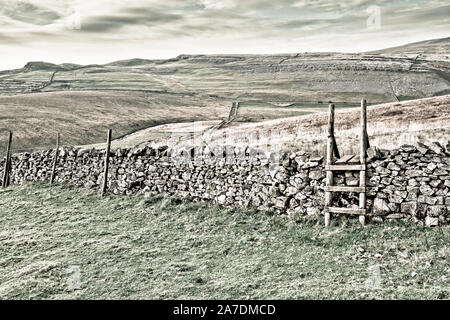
{"points": [[411, 182]]}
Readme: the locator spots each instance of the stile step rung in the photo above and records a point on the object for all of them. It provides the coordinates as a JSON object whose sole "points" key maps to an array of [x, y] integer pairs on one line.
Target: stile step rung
{"points": [[344, 189], [345, 167], [346, 210]]}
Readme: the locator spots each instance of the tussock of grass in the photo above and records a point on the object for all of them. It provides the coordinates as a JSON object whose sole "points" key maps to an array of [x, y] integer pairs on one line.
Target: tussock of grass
{"points": [[161, 248]]}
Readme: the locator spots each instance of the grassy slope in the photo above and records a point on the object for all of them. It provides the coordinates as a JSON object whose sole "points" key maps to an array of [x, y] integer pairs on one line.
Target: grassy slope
{"points": [[435, 47], [136, 248], [255, 111], [279, 78], [82, 117], [389, 126]]}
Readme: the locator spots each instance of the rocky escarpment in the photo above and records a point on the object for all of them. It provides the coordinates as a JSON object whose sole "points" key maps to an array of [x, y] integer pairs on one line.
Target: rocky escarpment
{"points": [[276, 78], [410, 183]]}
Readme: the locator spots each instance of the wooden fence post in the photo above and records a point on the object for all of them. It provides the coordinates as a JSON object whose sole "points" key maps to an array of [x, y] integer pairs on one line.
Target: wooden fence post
{"points": [[7, 161], [105, 174], [55, 160], [329, 161], [362, 156]]}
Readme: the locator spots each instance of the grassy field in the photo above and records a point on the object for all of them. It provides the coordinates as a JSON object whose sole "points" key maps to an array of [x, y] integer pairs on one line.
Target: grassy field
{"points": [[161, 248], [83, 117], [256, 111], [389, 126]]}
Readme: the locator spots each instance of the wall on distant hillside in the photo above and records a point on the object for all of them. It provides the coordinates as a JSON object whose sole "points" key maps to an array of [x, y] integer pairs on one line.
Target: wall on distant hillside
{"points": [[412, 182]]}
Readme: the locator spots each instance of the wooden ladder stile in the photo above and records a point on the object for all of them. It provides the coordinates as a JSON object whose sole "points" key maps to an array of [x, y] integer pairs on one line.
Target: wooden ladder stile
{"points": [[346, 163]]}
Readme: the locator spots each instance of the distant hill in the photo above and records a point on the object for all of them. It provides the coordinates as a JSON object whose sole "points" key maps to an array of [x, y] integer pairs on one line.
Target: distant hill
{"points": [[427, 47], [129, 62], [40, 65], [412, 71]]}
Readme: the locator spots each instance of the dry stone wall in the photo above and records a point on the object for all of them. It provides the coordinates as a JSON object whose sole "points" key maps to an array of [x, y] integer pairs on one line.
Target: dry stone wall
{"points": [[411, 183]]}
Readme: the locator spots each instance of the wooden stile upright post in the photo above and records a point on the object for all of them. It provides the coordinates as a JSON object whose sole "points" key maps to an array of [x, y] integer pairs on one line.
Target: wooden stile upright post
{"points": [[105, 174], [346, 163], [329, 161], [362, 157], [7, 161], [335, 149], [366, 135], [55, 160]]}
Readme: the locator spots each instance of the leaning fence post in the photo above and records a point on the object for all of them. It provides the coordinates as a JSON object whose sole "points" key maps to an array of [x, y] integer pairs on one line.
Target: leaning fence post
{"points": [[7, 161], [105, 173], [55, 160]]}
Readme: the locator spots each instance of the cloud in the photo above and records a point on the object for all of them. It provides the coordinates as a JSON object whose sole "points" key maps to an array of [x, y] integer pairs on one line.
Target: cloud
{"points": [[29, 13], [7, 39], [135, 16], [178, 26]]}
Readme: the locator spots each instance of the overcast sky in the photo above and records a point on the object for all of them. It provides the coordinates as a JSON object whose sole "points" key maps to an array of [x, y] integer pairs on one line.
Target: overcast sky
{"points": [[101, 31]]}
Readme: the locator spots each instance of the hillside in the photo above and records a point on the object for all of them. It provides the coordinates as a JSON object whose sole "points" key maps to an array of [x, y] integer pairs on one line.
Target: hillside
{"points": [[276, 78], [81, 102], [137, 119], [389, 126], [436, 49], [83, 117], [161, 248]]}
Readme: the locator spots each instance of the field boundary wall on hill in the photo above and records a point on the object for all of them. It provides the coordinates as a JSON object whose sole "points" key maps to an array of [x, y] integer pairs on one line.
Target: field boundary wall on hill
{"points": [[410, 183]]}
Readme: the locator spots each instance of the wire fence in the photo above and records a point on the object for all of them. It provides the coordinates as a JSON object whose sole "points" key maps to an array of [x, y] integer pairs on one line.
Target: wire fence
{"points": [[6, 159]]}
